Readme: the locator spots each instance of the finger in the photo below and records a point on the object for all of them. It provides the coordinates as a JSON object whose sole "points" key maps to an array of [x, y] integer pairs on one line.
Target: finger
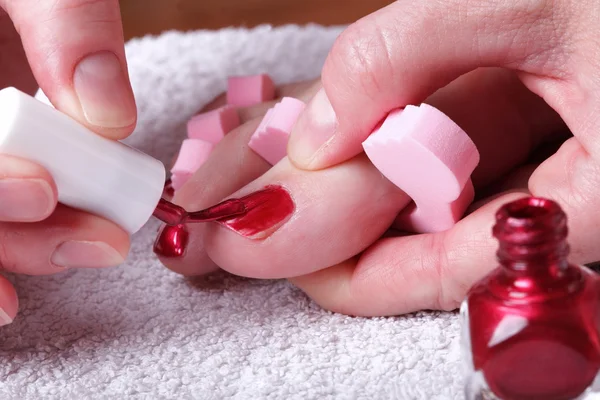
{"points": [[76, 51], [67, 239], [412, 273], [9, 302], [506, 121], [571, 178], [515, 181], [310, 233], [518, 178], [27, 191], [403, 53]]}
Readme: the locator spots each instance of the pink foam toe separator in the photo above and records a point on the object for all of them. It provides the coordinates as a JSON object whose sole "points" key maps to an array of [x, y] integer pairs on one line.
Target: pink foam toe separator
{"points": [[193, 153], [429, 157], [179, 179], [244, 91], [272, 135], [441, 217], [213, 125]]}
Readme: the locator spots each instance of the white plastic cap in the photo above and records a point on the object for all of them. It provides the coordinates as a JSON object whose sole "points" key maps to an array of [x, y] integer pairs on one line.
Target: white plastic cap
{"points": [[41, 96], [92, 173]]}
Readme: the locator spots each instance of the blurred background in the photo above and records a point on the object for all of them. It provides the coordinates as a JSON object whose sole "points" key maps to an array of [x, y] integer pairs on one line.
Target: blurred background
{"points": [[142, 17]]}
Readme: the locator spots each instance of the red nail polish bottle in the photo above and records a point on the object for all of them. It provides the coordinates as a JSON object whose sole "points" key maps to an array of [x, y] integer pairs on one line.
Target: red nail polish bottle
{"points": [[531, 327]]}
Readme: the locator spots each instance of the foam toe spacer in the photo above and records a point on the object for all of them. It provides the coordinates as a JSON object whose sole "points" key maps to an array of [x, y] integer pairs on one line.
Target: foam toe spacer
{"points": [[178, 179], [193, 153], [213, 125], [272, 135], [429, 157], [245, 91]]}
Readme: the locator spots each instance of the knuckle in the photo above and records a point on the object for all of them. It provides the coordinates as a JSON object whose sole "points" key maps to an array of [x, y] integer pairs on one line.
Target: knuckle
{"points": [[363, 57], [530, 35]]}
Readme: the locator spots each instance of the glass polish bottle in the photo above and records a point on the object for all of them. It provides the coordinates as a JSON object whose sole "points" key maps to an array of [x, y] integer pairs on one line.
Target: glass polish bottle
{"points": [[530, 328]]}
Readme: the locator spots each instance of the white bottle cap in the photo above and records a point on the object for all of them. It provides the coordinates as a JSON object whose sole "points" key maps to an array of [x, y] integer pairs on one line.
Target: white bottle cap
{"points": [[94, 174]]}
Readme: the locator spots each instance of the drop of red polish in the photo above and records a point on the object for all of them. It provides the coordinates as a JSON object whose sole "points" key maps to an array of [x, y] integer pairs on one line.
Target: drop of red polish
{"points": [[172, 241], [168, 190]]}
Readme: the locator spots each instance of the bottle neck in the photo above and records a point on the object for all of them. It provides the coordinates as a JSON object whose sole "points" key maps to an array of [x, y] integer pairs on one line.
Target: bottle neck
{"points": [[534, 258], [533, 250]]}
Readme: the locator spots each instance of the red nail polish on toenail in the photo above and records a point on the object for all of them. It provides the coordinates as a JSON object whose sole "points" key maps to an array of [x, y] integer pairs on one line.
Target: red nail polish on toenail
{"points": [[266, 211]]}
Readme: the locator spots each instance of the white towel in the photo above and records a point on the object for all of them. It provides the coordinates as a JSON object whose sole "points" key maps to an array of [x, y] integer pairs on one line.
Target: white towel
{"points": [[140, 331]]}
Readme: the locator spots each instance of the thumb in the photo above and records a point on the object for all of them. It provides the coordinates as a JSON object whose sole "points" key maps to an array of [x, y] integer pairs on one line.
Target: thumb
{"points": [[403, 53], [76, 51]]}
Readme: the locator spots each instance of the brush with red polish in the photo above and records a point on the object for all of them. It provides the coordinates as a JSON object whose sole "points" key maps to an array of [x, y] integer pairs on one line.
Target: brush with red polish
{"points": [[173, 239], [94, 174], [253, 216]]}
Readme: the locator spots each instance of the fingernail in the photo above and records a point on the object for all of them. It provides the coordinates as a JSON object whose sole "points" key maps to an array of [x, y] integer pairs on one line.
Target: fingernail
{"points": [[25, 200], [267, 211], [103, 91], [82, 254], [314, 128], [5, 319], [171, 242]]}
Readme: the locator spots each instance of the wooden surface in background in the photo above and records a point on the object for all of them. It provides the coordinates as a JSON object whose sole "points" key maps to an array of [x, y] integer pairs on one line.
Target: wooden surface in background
{"points": [[142, 17]]}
